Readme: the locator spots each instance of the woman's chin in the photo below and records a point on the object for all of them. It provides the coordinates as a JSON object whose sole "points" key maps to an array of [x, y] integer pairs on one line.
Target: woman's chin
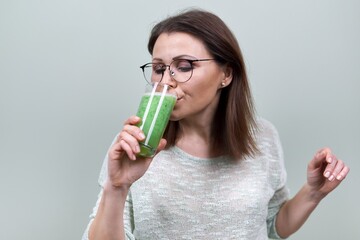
{"points": [[174, 117]]}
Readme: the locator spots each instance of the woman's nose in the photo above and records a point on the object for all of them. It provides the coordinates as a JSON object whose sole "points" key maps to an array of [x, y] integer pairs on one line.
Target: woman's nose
{"points": [[168, 77]]}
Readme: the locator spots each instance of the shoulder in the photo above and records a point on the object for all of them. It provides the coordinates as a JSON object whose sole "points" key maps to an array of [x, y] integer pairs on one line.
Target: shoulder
{"points": [[271, 150], [266, 128], [267, 138], [265, 124]]}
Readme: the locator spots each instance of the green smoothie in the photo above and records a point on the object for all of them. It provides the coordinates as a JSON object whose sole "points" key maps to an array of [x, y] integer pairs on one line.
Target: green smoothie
{"points": [[154, 111]]}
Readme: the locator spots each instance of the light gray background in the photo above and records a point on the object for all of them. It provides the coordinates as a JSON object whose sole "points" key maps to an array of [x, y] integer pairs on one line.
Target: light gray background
{"points": [[69, 77]]}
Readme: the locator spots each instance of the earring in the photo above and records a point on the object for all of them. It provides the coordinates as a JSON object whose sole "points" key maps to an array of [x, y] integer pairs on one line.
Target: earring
{"points": [[223, 84]]}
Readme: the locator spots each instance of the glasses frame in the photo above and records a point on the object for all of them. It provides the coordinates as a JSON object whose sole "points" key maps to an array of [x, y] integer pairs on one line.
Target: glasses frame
{"points": [[172, 73]]}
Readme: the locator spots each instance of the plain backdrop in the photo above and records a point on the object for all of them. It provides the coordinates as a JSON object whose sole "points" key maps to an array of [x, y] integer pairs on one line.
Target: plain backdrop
{"points": [[70, 76]]}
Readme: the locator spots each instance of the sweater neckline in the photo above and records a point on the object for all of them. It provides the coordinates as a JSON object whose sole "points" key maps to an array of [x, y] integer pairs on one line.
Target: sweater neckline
{"points": [[184, 155]]}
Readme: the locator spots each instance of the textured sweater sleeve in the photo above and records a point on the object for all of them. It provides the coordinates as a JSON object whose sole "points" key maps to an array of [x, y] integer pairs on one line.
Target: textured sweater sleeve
{"points": [[277, 175]]}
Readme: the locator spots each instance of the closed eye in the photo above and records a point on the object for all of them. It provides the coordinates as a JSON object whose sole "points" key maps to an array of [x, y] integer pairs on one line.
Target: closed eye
{"points": [[159, 68]]}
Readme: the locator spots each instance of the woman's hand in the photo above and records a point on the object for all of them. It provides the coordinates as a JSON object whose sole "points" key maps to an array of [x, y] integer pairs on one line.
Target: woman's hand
{"points": [[123, 166], [325, 172]]}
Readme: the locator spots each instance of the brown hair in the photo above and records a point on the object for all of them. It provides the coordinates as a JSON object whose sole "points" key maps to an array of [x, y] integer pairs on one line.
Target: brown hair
{"points": [[234, 122]]}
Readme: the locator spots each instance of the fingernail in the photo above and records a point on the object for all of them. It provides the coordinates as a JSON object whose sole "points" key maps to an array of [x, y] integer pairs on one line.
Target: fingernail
{"points": [[329, 159], [331, 178], [137, 149], [327, 174], [339, 177], [141, 135]]}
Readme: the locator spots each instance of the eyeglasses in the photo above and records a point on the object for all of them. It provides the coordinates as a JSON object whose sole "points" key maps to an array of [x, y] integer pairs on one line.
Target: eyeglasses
{"points": [[180, 70]]}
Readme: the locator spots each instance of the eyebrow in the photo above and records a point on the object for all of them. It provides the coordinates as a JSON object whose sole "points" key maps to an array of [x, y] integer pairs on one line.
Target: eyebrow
{"points": [[157, 59], [183, 56]]}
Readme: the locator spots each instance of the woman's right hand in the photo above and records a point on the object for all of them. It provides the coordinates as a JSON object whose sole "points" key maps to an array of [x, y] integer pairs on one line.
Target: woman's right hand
{"points": [[124, 166]]}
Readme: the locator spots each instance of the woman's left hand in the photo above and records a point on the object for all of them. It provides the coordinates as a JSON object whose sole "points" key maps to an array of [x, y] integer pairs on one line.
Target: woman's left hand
{"points": [[325, 172]]}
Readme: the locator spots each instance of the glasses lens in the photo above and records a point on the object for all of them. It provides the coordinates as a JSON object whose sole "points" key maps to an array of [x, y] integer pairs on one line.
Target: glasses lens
{"points": [[181, 70], [153, 72]]}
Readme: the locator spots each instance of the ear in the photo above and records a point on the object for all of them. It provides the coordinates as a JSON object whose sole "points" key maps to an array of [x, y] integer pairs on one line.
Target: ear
{"points": [[228, 76]]}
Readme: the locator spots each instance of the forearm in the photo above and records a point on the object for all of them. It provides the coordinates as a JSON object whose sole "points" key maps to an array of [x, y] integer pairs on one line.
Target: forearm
{"points": [[295, 212], [109, 222]]}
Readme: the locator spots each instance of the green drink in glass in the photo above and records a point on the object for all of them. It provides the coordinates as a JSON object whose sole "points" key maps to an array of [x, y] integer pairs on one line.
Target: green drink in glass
{"points": [[154, 110]]}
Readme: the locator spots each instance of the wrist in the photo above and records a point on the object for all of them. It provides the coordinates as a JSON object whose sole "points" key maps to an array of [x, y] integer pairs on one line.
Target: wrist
{"points": [[313, 195], [117, 189]]}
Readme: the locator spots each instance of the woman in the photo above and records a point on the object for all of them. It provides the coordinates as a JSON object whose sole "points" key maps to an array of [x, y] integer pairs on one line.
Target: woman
{"points": [[219, 171]]}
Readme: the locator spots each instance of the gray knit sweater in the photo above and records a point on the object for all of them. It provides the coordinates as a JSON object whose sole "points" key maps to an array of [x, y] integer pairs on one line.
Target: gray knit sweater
{"points": [[187, 197]]}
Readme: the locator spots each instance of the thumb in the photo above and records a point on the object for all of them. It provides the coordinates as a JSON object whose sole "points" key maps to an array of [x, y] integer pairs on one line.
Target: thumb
{"points": [[321, 157], [161, 145]]}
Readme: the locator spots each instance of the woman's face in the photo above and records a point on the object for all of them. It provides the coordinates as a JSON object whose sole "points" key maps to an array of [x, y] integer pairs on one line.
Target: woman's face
{"points": [[199, 96]]}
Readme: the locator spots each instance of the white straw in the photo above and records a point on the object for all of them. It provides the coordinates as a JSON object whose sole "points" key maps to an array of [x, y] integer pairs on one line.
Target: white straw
{"points": [[143, 120], [156, 114]]}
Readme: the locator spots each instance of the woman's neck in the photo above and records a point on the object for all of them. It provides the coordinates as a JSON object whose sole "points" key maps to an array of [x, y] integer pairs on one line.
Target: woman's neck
{"points": [[196, 139]]}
